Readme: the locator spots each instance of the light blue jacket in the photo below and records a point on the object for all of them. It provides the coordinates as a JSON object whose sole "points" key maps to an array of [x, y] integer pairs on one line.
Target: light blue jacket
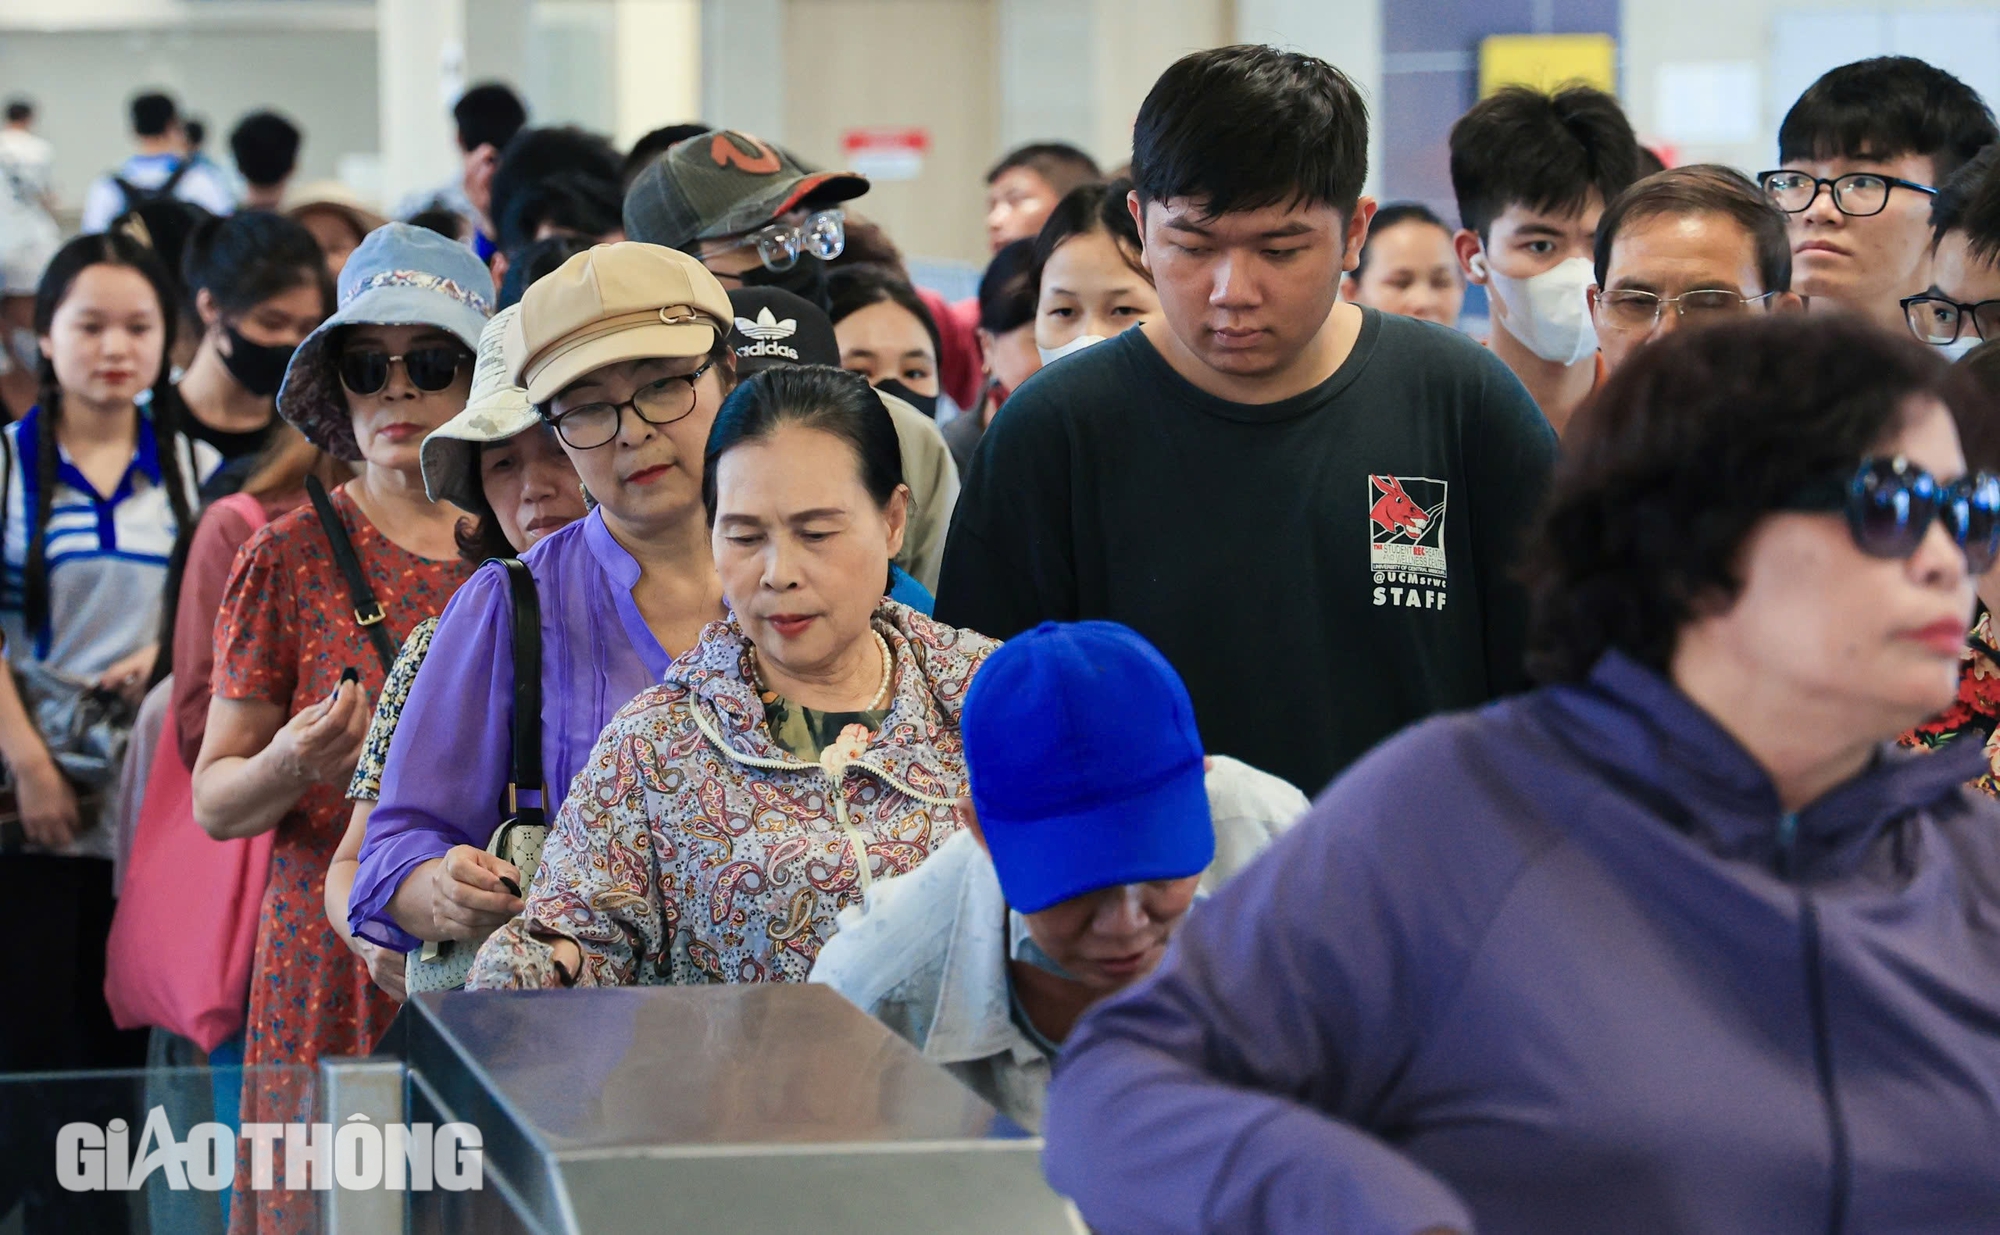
{"points": [[927, 953]]}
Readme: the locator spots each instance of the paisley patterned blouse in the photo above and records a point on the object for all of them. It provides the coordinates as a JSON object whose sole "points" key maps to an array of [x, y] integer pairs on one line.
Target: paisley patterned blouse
{"points": [[1973, 715], [693, 848]]}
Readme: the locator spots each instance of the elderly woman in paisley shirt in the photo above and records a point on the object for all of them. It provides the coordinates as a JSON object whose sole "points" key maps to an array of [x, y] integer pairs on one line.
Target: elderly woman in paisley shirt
{"points": [[803, 749]]}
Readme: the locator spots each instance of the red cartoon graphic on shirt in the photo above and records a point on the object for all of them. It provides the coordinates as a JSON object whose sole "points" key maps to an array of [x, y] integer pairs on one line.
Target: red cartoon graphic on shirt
{"points": [[1406, 540]]}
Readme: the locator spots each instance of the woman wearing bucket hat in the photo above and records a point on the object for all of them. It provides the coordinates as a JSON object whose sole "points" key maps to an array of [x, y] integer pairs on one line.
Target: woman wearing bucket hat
{"points": [[313, 602], [806, 748], [500, 463], [624, 350]]}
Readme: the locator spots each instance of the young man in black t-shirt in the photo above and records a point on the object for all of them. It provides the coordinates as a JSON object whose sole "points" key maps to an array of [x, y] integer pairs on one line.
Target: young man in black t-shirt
{"points": [[1311, 508]]}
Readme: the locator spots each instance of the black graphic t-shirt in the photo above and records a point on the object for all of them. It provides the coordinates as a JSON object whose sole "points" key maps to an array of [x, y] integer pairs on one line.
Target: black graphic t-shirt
{"points": [[1322, 570]]}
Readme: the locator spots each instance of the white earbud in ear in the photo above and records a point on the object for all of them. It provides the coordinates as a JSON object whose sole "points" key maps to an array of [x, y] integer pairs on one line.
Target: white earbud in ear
{"points": [[1478, 265]]}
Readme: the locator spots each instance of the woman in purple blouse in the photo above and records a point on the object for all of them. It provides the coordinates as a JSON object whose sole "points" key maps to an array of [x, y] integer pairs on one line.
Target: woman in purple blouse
{"points": [[624, 350]]}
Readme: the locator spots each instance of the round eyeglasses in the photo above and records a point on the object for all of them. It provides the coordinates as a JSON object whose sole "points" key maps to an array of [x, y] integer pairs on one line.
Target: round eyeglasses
{"points": [[1857, 194], [822, 235], [590, 425], [1938, 320], [1637, 310]]}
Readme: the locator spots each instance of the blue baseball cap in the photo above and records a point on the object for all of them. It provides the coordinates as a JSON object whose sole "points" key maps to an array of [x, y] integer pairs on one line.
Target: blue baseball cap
{"points": [[1085, 763]]}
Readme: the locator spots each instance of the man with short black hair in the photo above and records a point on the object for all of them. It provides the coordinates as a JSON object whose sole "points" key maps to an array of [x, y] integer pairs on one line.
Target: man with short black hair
{"points": [[1309, 507], [756, 217], [265, 146], [160, 168], [1025, 185], [1961, 308], [1533, 172], [1860, 156], [486, 117], [549, 181], [753, 214], [1692, 246]]}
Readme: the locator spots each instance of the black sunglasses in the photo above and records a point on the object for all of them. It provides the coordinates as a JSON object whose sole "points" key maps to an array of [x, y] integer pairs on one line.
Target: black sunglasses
{"points": [[1889, 504], [365, 371]]}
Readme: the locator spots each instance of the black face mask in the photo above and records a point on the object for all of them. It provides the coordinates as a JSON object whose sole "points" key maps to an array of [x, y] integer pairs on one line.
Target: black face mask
{"points": [[806, 279], [257, 367], [927, 404]]}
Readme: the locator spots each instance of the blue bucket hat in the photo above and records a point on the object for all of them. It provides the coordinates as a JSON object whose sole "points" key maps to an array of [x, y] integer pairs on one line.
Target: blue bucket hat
{"points": [[1085, 763], [399, 276]]}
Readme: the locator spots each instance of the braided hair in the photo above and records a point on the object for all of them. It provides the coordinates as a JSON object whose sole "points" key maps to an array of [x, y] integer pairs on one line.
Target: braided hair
{"points": [[167, 414]]}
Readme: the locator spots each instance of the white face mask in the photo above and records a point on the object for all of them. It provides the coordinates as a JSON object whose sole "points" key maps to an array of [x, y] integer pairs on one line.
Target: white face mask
{"points": [[1960, 346], [1052, 354], [1547, 312]]}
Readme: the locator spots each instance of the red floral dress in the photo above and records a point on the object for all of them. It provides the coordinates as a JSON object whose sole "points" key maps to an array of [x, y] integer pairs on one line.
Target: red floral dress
{"points": [[285, 632], [1973, 716]]}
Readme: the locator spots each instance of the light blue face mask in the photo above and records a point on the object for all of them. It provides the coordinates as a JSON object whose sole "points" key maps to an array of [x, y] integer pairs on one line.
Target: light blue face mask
{"points": [[1021, 946], [1960, 346]]}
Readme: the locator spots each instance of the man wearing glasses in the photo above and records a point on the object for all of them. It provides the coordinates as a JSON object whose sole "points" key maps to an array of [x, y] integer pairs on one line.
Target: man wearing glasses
{"points": [[1861, 154], [1962, 308], [1686, 247], [756, 218], [746, 209]]}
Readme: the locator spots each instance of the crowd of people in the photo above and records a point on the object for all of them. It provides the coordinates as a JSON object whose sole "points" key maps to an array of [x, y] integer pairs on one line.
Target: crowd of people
{"points": [[617, 570]]}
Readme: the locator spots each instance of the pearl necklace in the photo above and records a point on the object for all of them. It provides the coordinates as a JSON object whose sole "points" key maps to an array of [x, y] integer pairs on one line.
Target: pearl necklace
{"points": [[881, 698]]}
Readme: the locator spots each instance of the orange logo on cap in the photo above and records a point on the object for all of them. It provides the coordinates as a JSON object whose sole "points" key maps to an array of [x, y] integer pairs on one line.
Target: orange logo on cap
{"points": [[745, 152]]}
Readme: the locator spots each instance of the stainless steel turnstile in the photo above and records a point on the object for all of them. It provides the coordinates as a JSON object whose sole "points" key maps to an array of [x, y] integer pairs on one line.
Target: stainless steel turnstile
{"points": [[708, 1109]]}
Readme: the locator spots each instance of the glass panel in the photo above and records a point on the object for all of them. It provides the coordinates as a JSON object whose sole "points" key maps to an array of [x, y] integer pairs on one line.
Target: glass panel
{"points": [[153, 1150]]}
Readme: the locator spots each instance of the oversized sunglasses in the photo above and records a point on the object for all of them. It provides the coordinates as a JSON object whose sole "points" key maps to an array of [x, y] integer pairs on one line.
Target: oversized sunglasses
{"points": [[1890, 503], [365, 371]]}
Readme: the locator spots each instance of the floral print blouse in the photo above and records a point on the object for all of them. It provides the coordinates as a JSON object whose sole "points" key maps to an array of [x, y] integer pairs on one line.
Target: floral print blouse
{"points": [[366, 786], [1975, 713], [694, 848]]}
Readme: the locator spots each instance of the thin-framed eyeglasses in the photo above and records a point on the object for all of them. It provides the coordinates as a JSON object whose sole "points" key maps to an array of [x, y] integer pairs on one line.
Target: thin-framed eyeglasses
{"points": [[1857, 194], [822, 235], [659, 403], [1938, 320], [1631, 309]]}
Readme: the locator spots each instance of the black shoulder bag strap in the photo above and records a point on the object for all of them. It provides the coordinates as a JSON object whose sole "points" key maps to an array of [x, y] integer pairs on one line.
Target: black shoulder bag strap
{"points": [[367, 612], [173, 180], [524, 770]]}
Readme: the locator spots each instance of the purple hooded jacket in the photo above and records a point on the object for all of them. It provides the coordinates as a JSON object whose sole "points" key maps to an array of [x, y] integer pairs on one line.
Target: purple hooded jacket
{"points": [[1566, 965]]}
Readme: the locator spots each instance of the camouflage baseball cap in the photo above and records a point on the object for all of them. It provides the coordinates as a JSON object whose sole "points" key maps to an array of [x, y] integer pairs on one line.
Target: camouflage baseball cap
{"points": [[723, 183]]}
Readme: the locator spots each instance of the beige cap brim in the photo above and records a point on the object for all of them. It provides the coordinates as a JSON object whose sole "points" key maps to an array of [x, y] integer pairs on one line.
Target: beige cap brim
{"points": [[450, 452], [545, 375]]}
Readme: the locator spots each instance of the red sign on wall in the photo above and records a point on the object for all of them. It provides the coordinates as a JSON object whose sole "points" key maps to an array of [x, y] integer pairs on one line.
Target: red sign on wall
{"points": [[886, 152]]}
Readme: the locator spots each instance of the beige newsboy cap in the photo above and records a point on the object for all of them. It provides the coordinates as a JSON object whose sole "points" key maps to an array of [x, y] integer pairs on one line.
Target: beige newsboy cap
{"points": [[615, 302]]}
